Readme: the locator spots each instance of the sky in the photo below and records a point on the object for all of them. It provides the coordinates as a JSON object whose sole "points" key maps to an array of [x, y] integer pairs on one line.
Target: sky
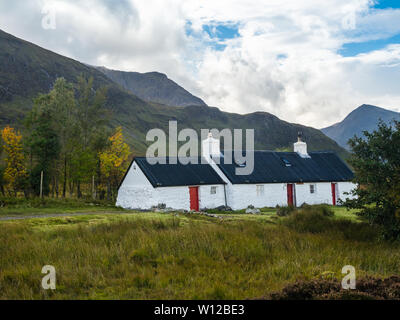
{"points": [[310, 62]]}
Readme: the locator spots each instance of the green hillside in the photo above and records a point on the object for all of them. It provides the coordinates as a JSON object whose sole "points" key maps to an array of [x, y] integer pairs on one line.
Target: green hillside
{"points": [[27, 70]]}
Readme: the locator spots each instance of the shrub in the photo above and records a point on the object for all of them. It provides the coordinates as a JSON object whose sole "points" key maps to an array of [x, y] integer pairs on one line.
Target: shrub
{"points": [[318, 219], [308, 220], [325, 209], [285, 211], [323, 289]]}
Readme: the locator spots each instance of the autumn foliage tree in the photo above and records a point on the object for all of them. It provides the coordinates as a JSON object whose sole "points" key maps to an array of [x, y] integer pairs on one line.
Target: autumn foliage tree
{"points": [[15, 174], [114, 161], [67, 138], [2, 169]]}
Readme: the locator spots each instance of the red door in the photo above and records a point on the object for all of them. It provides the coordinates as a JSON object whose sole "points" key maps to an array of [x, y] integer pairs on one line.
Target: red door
{"points": [[290, 195], [333, 186], [194, 198]]}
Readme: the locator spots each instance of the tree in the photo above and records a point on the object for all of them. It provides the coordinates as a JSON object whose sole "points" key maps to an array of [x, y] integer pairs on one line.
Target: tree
{"points": [[59, 107], [68, 131], [15, 173], [2, 169], [63, 106], [92, 118], [376, 162], [92, 115], [2, 180], [114, 161], [44, 146]]}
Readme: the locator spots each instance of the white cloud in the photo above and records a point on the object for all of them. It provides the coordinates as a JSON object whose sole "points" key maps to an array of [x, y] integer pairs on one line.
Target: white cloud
{"points": [[284, 60]]}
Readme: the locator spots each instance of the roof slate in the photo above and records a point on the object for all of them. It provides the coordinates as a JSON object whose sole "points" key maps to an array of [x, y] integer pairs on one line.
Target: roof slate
{"points": [[269, 167], [167, 175], [272, 167]]}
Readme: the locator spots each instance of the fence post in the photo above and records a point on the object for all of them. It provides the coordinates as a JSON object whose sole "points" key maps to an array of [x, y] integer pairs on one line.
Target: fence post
{"points": [[93, 191], [41, 184]]}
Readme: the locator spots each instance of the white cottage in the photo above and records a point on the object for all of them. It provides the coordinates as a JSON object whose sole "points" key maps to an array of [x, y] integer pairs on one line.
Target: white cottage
{"points": [[278, 178], [178, 186]]}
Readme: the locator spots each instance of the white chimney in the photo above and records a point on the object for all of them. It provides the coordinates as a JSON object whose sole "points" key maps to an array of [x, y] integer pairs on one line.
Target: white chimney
{"points": [[210, 147], [301, 147]]}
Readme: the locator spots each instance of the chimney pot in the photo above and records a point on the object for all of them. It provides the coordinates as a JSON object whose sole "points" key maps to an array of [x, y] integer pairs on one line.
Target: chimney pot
{"points": [[301, 147], [210, 147]]}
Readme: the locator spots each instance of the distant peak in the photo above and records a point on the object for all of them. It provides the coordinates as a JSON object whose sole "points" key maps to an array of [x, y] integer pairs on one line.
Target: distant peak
{"points": [[158, 74], [368, 106], [372, 108]]}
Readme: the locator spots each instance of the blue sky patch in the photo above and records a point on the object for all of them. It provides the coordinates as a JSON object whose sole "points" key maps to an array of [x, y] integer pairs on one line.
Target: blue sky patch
{"points": [[354, 48], [218, 33], [386, 4], [222, 32]]}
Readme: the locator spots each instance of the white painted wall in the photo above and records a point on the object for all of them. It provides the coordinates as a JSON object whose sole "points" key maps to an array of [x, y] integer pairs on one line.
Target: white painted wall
{"points": [[322, 193], [136, 192], [241, 196], [208, 200], [346, 187]]}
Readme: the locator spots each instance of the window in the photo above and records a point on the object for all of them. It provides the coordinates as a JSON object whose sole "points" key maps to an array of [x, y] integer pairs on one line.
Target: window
{"points": [[313, 188], [213, 190], [260, 190], [286, 162]]}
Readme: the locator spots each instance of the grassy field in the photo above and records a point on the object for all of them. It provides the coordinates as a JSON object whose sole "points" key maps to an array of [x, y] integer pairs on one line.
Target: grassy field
{"points": [[183, 256], [35, 206]]}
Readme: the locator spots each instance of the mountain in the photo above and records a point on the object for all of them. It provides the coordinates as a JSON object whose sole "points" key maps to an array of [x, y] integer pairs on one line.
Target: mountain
{"points": [[364, 118], [153, 87], [27, 70]]}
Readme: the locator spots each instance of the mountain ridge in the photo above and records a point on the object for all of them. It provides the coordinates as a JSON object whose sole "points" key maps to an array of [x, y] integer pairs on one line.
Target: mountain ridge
{"points": [[363, 118], [29, 70], [153, 87]]}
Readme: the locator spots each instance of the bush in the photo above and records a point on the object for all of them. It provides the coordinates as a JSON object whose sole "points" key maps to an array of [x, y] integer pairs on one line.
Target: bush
{"points": [[308, 220], [285, 211], [323, 208], [322, 289], [318, 219]]}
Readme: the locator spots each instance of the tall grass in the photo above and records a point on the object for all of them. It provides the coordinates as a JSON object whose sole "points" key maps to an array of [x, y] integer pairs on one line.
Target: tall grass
{"points": [[317, 219], [176, 258]]}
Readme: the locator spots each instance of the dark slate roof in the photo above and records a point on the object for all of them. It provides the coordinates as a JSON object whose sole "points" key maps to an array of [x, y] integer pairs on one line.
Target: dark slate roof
{"points": [[272, 167], [168, 175]]}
